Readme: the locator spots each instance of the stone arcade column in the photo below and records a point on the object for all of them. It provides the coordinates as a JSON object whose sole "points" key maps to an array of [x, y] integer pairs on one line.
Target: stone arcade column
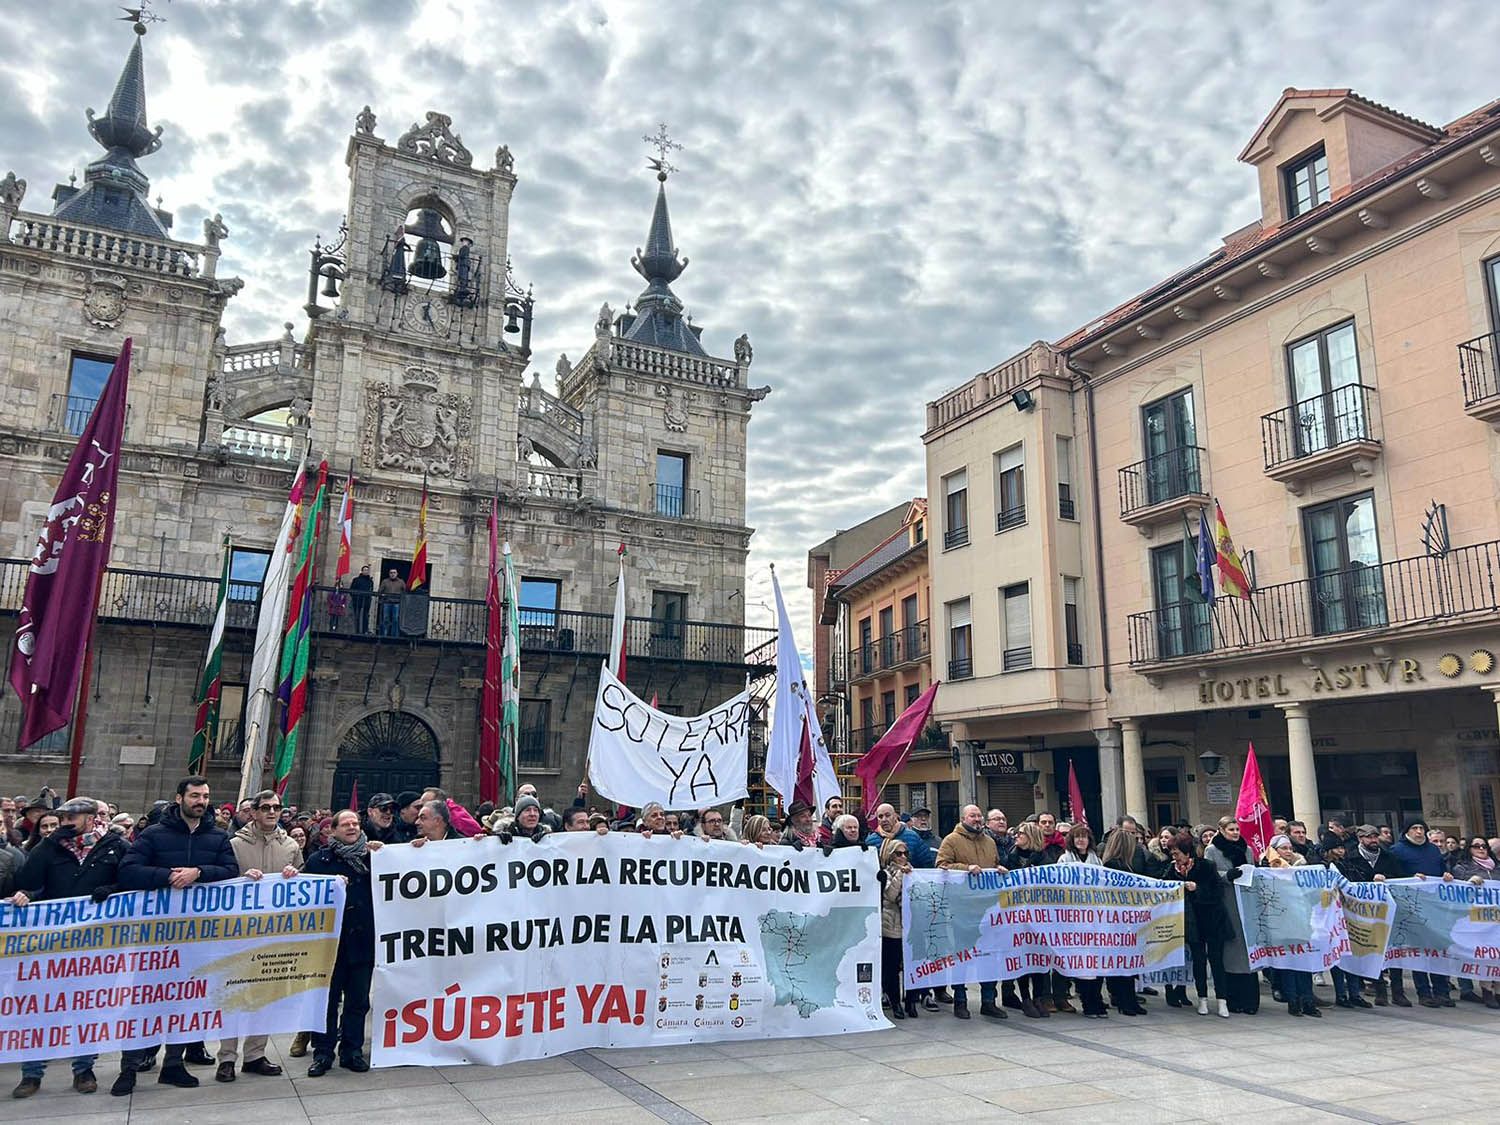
{"points": [[1111, 776], [1133, 763], [1305, 804]]}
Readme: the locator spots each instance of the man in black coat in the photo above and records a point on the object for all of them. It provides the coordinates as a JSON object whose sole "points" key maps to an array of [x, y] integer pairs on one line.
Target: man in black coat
{"points": [[184, 848], [359, 599], [77, 860]]}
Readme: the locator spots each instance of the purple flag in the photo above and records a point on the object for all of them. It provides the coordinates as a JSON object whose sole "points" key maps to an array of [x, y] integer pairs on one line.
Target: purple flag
{"points": [[62, 588]]}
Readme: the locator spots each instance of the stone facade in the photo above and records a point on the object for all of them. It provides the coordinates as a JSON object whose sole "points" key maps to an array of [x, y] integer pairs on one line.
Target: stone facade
{"points": [[406, 379]]}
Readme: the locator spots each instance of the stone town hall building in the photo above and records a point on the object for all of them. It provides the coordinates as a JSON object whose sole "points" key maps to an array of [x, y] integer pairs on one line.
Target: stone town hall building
{"points": [[412, 365]]}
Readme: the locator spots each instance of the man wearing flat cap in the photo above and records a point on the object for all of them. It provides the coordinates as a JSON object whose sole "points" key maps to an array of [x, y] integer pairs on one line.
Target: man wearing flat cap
{"points": [[77, 859]]}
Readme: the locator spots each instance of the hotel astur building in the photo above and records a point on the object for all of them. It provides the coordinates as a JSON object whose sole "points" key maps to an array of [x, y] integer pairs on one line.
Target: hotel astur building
{"points": [[1329, 375]]}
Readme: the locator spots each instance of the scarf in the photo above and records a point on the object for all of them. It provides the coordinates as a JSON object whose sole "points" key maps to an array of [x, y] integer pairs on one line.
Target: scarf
{"points": [[1235, 851], [1486, 862], [1369, 857], [353, 854], [75, 845]]}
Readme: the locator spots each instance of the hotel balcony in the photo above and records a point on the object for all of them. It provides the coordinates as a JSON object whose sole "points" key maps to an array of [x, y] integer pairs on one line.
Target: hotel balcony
{"points": [[1323, 434], [1480, 372], [1364, 601], [143, 597], [1161, 488]]}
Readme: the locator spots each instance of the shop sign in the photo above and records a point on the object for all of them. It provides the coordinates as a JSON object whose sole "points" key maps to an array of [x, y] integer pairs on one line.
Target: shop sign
{"points": [[1341, 678], [998, 763]]}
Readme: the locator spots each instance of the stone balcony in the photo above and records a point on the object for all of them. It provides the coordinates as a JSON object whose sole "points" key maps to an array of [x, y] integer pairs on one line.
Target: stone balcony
{"points": [[98, 246]]}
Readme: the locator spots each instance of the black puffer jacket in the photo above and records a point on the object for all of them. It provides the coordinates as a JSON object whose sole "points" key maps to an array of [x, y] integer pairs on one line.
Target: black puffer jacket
{"points": [[357, 938], [52, 871], [149, 862]]}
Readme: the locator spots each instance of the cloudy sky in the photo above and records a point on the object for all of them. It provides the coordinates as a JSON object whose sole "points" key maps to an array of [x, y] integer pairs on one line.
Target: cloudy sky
{"points": [[889, 197]]}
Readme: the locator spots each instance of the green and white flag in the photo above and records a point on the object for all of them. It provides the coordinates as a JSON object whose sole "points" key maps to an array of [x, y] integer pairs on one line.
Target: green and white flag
{"points": [[211, 682]]}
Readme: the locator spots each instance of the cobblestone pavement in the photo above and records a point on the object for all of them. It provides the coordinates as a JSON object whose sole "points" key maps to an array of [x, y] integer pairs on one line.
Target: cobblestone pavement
{"points": [[1385, 1065]]}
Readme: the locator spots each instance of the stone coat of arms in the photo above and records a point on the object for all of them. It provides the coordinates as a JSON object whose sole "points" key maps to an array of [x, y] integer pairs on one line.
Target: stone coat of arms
{"points": [[417, 428]]}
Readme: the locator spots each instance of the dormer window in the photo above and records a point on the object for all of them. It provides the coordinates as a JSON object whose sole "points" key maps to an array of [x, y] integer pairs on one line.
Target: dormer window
{"points": [[1306, 182]]}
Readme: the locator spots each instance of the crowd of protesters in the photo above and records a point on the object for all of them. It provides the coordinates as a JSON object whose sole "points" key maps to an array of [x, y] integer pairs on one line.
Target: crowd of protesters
{"points": [[51, 849]]}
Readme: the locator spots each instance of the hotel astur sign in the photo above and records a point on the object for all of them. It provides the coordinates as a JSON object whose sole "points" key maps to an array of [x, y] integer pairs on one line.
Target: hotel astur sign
{"points": [[1353, 678]]}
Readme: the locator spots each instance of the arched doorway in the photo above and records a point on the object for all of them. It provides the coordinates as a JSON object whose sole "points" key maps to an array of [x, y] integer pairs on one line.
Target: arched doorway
{"points": [[385, 752]]}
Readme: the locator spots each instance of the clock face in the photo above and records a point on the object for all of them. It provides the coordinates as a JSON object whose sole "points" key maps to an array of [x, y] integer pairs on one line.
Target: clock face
{"points": [[427, 315]]}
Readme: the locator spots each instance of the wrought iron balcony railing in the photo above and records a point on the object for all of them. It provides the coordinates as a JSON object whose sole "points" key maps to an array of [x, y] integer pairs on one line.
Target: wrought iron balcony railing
{"points": [[1463, 584], [147, 597], [1007, 518], [676, 503], [1341, 417], [891, 651], [956, 537], [961, 669], [1158, 479], [1479, 369]]}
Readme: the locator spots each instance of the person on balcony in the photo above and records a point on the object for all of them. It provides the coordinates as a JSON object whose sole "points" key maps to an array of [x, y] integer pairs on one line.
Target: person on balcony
{"points": [[359, 599], [392, 589], [338, 605]]}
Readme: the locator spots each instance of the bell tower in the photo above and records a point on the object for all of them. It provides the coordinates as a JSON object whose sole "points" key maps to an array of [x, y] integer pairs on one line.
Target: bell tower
{"points": [[420, 336]]}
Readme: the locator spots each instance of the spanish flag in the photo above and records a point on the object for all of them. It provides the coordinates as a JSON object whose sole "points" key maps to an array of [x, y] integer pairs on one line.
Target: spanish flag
{"points": [[418, 573], [1232, 580]]}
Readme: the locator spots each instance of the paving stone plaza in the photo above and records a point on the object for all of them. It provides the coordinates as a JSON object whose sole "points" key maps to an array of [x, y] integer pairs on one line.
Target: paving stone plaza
{"points": [[1379, 1066]]}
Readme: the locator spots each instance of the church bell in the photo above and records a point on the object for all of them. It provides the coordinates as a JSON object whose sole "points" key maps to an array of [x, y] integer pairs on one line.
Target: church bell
{"points": [[427, 262]]}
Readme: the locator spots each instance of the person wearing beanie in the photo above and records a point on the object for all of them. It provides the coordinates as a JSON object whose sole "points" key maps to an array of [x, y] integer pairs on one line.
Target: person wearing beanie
{"points": [[969, 848], [527, 820], [408, 805]]}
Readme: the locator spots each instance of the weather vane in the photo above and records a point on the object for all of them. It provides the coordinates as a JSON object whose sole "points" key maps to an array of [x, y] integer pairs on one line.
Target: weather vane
{"points": [[141, 16], [663, 145]]}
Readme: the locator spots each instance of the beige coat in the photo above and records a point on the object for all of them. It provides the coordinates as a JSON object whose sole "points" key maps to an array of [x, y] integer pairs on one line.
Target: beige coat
{"points": [[964, 849], [254, 849]]}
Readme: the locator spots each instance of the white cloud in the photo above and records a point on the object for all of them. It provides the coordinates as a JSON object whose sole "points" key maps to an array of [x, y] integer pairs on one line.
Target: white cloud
{"points": [[889, 197]]}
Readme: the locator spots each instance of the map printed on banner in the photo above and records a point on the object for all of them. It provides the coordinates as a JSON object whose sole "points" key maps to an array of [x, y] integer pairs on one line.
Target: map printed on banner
{"points": [[638, 754], [1078, 919], [1450, 928], [1311, 918], [213, 960], [491, 953]]}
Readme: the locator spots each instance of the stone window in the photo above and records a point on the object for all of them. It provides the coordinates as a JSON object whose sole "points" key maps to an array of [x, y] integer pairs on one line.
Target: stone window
{"points": [[87, 375], [672, 497]]}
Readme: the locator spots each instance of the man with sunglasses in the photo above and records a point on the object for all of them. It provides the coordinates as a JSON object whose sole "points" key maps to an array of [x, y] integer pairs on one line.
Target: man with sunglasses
{"points": [[261, 846]]}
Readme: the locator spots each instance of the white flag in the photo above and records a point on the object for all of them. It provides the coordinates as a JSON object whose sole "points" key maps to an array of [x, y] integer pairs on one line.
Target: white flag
{"points": [[793, 714], [260, 693]]}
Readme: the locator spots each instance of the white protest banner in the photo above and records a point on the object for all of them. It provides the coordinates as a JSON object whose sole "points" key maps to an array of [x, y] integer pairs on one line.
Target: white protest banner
{"points": [[1293, 918], [638, 754], [1080, 919], [213, 960], [1450, 928], [490, 953], [1368, 910]]}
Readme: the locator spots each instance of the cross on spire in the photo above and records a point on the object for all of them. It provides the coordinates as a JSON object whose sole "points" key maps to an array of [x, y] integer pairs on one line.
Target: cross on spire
{"points": [[141, 16], [663, 145]]}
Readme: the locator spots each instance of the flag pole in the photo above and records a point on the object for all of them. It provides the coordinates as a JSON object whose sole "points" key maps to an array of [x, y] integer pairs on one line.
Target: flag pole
{"points": [[81, 706]]}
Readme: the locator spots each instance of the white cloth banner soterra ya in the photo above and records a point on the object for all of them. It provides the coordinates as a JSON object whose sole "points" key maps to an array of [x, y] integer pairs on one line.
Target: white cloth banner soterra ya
{"points": [[638, 754], [490, 953], [1449, 928], [210, 961], [1310, 918], [1081, 920]]}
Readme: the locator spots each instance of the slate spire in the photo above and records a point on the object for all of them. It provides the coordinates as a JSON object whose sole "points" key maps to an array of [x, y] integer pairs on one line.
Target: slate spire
{"points": [[658, 317], [114, 189]]}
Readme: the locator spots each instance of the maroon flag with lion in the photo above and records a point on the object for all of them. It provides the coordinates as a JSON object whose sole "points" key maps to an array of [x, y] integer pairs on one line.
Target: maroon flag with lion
{"points": [[62, 587]]}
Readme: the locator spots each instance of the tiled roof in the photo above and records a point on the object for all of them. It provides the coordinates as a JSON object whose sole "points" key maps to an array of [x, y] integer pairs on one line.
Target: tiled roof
{"points": [[1253, 238], [897, 546]]}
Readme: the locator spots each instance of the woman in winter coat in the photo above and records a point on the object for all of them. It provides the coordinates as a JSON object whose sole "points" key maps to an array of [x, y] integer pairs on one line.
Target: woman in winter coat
{"points": [[1034, 989], [1296, 985], [347, 855], [1118, 855], [1478, 866], [1229, 854], [895, 865], [1078, 847], [1206, 925], [846, 832]]}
